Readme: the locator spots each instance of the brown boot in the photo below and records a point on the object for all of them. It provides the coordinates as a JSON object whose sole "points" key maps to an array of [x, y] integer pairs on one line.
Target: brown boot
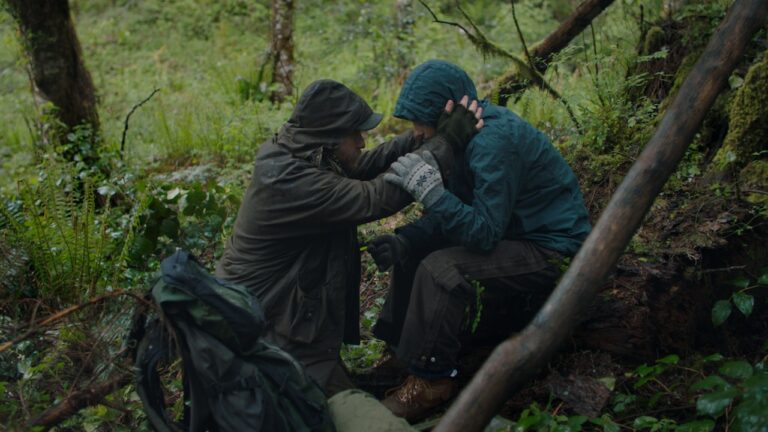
{"points": [[416, 396]]}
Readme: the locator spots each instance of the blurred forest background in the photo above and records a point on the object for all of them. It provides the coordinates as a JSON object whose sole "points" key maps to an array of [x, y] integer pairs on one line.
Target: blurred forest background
{"points": [[182, 92]]}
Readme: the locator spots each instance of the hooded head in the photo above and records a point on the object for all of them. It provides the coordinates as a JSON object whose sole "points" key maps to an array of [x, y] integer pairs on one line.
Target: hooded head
{"points": [[326, 111], [428, 87]]}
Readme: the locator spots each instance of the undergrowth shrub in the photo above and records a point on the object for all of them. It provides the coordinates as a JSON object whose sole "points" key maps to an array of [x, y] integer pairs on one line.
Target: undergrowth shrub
{"points": [[71, 245], [196, 216]]}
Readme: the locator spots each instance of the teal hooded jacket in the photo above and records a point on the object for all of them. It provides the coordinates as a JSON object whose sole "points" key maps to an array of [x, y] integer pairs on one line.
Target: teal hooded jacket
{"points": [[511, 184]]}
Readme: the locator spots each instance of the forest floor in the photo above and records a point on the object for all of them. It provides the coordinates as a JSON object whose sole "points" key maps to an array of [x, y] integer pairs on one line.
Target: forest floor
{"points": [[638, 355], [677, 339]]}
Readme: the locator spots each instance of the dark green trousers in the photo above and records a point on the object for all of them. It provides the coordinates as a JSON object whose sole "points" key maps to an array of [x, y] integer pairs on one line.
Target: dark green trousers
{"points": [[449, 297]]}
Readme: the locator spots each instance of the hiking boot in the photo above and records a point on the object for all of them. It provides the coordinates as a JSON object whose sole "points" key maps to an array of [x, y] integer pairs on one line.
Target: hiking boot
{"points": [[417, 396]]}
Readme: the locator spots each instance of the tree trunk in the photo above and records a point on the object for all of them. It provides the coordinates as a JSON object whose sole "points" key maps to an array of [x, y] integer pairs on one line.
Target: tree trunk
{"points": [[404, 47], [56, 69], [515, 360], [282, 49]]}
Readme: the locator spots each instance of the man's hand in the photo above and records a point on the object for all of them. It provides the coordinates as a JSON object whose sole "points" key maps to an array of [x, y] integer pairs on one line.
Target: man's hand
{"points": [[458, 124], [419, 176], [388, 250]]}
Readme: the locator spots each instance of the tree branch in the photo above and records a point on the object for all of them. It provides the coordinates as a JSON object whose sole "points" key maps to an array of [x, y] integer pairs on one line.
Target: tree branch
{"points": [[516, 80], [128, 117], [486, 48], [520, 35], [95, 393], [80, 399], [38, 327]]}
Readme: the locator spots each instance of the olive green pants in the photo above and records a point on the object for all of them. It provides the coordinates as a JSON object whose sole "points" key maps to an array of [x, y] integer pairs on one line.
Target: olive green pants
{"points": [[356, 411]]}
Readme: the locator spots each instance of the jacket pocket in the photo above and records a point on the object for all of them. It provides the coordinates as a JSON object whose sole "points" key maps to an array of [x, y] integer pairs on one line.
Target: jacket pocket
{"points": [[303, 316]]}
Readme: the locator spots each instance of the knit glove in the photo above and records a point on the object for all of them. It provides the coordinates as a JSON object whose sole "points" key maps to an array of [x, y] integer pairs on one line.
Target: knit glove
{"points": [[419, 176], [388, 250], [457, 127]]}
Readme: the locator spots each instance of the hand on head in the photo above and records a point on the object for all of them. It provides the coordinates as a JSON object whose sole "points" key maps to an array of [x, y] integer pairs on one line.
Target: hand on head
{"points": [[459, 123], [474, 108]]}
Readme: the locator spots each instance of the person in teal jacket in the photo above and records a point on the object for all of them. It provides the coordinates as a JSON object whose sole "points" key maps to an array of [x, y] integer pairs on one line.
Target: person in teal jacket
{"points": [[487, 251]]}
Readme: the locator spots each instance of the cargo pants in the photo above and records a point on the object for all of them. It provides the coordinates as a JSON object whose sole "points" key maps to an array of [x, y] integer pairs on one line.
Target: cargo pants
{"points": [[448, 297]]}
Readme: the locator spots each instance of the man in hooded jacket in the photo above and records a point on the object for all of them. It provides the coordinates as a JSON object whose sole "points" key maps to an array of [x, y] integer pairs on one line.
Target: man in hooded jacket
{"points": [[294, 243], [484, 257]]}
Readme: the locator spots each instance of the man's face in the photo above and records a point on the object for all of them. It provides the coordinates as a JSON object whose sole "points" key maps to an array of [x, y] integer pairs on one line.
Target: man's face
{"points": [[348, 151], [422, 131]]}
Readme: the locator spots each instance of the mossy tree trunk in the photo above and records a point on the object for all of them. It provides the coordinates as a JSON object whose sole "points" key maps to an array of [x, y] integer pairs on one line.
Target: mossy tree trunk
{"points": [[405, 22], [62, 86], [744, 154], [282, 49]]}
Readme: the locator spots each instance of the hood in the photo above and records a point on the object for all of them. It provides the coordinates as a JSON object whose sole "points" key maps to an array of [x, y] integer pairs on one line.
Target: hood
{"points": [[325, 112], [427, 89]]}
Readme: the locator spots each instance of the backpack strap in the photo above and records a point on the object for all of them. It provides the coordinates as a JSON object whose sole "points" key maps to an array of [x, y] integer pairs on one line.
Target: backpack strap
{"points": [[197, 412], [152, 349]]}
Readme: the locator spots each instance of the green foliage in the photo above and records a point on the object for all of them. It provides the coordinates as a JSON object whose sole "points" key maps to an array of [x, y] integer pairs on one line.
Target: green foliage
{"points": [[192, 217], [68, 242], [646, 373], [740, 388], [534, 418], [741, 298], [475, 312], [360, 357]]}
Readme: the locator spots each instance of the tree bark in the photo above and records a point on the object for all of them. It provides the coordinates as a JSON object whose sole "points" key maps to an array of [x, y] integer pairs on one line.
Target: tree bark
{"points": [[56, 67], [282, 49], [404, 22], [513, 361], [513, 81]]}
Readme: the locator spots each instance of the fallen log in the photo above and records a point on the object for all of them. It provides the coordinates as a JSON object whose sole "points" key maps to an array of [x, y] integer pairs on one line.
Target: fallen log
{"points": [[516, 359], [80, 399], [517, 79], [95, 393]]}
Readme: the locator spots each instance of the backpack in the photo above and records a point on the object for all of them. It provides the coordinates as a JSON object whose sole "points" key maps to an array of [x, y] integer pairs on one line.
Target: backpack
{"points": [[233, 381]]}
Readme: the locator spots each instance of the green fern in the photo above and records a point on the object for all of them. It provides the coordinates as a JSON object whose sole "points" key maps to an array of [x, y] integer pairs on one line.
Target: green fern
{"points": [[68, 242]]}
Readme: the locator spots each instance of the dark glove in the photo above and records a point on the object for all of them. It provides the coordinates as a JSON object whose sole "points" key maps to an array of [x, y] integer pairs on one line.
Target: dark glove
{"points": [[388, 250], [457, 127]]}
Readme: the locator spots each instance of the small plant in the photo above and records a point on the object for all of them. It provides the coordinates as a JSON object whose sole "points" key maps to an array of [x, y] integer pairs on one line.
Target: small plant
{"points": [[646, 373], [535, 418], [740, 298], [737, 394], [193, 217], [65, 237], [474, 312]]}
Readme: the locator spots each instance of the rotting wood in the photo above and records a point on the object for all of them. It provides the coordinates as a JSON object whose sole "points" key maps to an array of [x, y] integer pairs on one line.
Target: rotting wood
{"points": [[516, 359]]}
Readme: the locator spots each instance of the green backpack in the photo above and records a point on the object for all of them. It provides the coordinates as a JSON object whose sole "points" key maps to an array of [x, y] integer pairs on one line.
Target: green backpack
{"points": [[233, 381]]}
